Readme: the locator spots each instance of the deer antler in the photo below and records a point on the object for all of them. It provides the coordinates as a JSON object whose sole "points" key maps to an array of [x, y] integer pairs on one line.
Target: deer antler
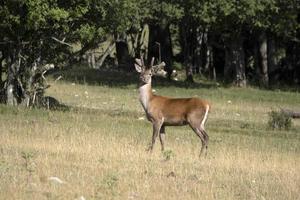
{"points": [[152, 62], [142, 61]]}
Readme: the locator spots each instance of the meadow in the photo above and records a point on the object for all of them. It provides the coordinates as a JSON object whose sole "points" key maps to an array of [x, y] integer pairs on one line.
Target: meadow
{"points": [[95, 149]]}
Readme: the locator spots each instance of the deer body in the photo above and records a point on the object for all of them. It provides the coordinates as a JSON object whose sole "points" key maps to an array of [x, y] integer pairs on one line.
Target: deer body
{"points": [[164, 111]]}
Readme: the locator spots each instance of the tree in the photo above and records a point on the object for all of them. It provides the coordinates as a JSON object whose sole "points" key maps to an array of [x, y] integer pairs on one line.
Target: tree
{"points": [[34, 33], [123, 19], [160, 14]]}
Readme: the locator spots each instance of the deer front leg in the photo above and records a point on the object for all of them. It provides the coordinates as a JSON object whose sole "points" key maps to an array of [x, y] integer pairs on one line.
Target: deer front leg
{"points": [[162, 135], [156, 129]]}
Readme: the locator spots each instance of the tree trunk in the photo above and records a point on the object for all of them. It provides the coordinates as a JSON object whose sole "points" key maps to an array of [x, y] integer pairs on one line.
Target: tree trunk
{"points": [[272, 59], [11, 88], [292, 68], [273, 64], [238, 60], [207, 52], [209, 62], [212, 69], [123, 56], [229, 69], [91, 60], [185, 33], [160, 45], [191, 40], [189, 72], [263, 59], [139, 42], [235, 60], [1, 62], [109, 49], [198, 49], [209, 57]]}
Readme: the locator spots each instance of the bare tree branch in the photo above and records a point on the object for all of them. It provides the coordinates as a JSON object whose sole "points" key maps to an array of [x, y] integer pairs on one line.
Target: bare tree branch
{"points": [[58, 78], [61, 41]]}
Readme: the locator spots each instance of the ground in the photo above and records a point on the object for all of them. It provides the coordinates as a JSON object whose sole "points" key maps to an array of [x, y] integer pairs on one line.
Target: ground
{"points": [[96, 148]]}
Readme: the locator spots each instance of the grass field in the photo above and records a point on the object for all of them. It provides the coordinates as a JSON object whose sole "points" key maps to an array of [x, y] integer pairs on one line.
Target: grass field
{"points": [[97, 147]]}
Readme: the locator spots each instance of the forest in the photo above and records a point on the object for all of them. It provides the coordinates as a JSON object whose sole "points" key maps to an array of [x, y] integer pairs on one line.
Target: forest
{"points": [[235, 42]]}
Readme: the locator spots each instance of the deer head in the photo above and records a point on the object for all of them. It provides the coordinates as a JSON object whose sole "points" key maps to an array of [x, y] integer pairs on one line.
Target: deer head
{"points": [[146, 72]]}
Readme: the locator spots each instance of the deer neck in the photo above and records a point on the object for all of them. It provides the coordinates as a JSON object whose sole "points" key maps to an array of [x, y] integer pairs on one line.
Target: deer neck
{"points": [[145, 94]]}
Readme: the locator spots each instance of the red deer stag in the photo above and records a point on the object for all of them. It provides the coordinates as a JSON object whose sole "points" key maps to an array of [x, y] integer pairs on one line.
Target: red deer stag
{"points": [[164, 111]]}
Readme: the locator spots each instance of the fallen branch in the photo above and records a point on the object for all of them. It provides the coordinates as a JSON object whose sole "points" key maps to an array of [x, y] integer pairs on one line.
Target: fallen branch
{"points": [[58, 78], [109, 49], [291, 113]]}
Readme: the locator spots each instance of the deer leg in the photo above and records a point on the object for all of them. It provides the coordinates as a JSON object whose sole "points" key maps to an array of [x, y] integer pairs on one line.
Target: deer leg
{"points": [[201, 135], [162, 135], [206, 139], [203, 140], [156, 130]]}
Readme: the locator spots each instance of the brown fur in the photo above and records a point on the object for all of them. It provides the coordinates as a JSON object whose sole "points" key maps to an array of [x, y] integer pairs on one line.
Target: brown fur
{"points": [[176, 111]]}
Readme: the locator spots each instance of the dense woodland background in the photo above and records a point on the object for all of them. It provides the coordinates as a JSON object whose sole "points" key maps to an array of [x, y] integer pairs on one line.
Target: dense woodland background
{"points": [[239, 42]]}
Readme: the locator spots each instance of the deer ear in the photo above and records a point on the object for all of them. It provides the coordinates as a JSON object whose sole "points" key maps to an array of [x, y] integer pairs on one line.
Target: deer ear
{"points": [[138, 65], [139, 62], [159, 67], [138, 68]]}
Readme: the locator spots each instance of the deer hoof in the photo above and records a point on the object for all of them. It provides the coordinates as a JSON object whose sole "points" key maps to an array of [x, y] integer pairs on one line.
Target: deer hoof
{"points": [[149, 149]]}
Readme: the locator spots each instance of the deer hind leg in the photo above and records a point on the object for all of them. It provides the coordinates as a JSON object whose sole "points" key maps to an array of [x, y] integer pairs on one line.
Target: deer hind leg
{"points": [[162, 135], [206, 139], [203, 139], [156, 129], [200, 132]]}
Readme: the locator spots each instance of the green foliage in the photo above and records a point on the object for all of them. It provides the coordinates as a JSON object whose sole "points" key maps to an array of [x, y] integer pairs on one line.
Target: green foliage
{"points": [[86, 32], [156, 10], [168, 154], [27, 27], [109, 184], [110, 181], [28, 157], [230, 15], [279, 120]]}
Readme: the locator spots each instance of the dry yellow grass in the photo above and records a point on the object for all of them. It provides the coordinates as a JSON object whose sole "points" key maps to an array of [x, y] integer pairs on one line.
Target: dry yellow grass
{"points": [[98, 149]]}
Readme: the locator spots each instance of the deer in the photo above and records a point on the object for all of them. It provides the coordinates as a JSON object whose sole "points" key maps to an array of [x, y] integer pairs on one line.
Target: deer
{"points": [[164, 111]]}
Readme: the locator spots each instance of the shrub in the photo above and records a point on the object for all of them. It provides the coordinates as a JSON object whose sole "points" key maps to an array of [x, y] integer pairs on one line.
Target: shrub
{"points": [[168, 154], [279, 120]]}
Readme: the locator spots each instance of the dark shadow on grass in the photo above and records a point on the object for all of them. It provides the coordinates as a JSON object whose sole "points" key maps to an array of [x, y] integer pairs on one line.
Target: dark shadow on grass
{"points": [[118, 78], [117, 112]]}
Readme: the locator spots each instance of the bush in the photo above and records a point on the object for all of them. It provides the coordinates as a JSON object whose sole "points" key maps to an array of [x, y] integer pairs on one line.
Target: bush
{"points": [[279, 120], [168, 154]]}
